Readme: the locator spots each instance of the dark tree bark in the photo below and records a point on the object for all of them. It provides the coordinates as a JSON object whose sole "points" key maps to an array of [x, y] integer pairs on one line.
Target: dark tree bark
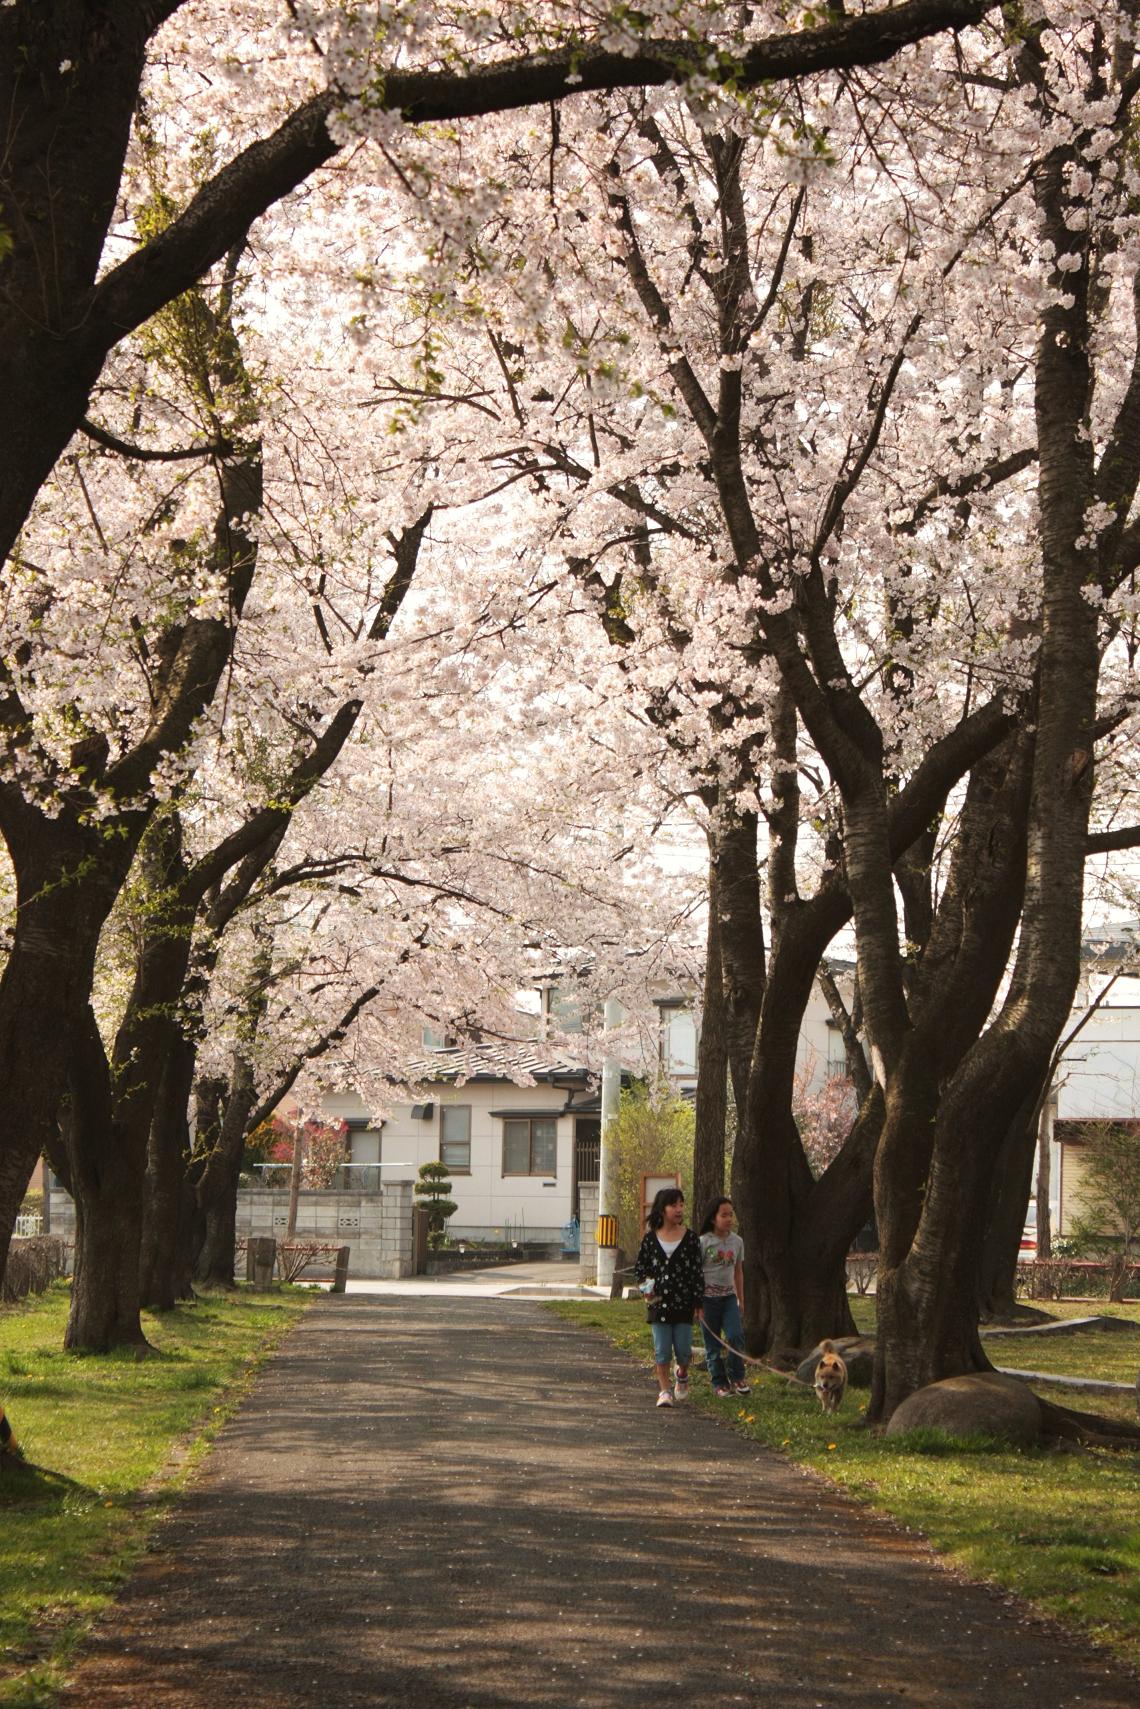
{"points": [[170, 1222], [218, 1183], [67, 876], [107, 1173], [928, 1310], [798, 1231], [1009, 1205], [796, 1241], [954, 986], [740, 937], [710, 1135]]}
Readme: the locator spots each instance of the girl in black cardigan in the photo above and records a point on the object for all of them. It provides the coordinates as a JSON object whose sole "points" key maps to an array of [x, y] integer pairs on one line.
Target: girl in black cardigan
{"points": [[671, 1275]]}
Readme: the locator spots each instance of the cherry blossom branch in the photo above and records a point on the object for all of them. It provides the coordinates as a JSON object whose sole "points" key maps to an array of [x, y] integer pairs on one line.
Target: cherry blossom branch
{"points": [[288, 1078], [1105, 842], [145, 454], [983, 479], [269, 169]]}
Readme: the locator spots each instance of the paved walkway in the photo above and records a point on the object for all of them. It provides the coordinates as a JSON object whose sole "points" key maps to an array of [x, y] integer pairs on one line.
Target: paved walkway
{"points": [[467, 1504], [545, 1279]]}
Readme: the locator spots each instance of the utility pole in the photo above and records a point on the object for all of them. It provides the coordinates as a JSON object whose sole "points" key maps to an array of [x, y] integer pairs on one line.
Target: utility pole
{"points": [[295, 1176], [607, 1161]]}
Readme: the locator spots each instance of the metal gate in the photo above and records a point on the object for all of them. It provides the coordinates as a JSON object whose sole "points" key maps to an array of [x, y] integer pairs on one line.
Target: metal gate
{"points": [[587, 1156]]}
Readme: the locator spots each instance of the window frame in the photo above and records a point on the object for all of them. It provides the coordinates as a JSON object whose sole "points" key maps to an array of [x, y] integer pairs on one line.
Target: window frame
{"points": [[530, 1173], [444, 1111]]}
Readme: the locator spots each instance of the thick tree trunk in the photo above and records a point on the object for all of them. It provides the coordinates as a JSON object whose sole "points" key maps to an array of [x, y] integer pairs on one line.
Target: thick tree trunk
{"points": [[168, 1256], [105, 1288], [839, 1206], [216, 1261], [928, 1312], [218, 1186], [65, 885], [772, 1185], [735, 888], [107, 1175], [69, 79], [1009, 1204], [709, 1142], [940, 1126], [925, 1321]]}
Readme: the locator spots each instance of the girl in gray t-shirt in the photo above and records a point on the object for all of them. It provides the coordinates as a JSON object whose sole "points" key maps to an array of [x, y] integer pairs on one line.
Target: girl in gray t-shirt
{"points": [[722, 1254]]}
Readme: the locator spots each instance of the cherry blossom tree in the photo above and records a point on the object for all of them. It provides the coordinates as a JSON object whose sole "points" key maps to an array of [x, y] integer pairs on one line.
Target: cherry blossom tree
{"points": [[77, 86], [858, 419]]}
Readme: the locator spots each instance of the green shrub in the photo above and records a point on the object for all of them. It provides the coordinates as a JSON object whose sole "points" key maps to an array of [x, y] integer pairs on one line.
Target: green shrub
{"points": [[433, 1191]]}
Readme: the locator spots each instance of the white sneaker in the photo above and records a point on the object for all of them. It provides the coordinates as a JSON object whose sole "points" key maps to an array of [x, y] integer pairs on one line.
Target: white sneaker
{"points": [[664, 1398], [681, 1386]]}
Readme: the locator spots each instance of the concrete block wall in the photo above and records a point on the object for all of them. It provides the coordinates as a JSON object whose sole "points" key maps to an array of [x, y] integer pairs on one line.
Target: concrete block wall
{"points": [[588, 1256], [376, 1227], [61, 1214], [397, 1239]]}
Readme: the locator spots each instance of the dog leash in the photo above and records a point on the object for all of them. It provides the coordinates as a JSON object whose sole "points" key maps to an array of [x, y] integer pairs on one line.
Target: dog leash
{"points": [[761, 1364], [746, 1358]]}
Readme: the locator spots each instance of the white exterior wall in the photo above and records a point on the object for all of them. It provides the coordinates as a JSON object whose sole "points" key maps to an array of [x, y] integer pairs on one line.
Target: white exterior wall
{"points": [[819, 1053], [1098, 1079], [1099, 1075], [487, 1200]]}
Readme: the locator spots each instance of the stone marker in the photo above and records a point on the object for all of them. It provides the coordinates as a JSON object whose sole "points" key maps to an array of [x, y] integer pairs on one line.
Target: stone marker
{"points": [[262, 1258]]}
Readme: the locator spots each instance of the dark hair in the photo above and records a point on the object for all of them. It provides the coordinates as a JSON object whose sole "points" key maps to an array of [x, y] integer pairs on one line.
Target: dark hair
{"points": [[667, 1196], [711, 1214]]}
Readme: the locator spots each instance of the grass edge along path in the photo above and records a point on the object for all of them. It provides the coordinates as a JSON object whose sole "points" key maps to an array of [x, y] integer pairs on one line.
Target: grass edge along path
{"points": [[1059, 1529], [110, 1441]]}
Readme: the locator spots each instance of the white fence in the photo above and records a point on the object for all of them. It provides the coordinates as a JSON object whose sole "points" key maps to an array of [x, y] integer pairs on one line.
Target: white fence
{"points": [[29, 1224]]}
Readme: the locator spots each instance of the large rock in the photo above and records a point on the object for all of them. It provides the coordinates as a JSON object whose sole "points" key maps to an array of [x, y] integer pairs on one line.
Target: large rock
{"points": [[857, 1353], [982, 1402]]}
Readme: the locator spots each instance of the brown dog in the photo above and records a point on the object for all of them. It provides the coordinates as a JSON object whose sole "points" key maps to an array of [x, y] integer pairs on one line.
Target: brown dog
{"points": [[830, 1377]]}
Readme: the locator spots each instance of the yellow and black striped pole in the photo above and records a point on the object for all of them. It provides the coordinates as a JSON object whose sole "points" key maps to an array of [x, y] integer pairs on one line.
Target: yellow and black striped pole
{"points": [[607, 1231]]}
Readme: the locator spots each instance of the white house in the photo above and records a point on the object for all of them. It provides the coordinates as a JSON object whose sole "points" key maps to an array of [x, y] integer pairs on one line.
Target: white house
{"points": [[515, 1153], [518, 1154], [1098, 1076], [819, 1056]]}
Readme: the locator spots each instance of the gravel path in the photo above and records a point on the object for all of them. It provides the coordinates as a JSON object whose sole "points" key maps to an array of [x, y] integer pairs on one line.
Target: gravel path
{"points": [[467, 1504]]}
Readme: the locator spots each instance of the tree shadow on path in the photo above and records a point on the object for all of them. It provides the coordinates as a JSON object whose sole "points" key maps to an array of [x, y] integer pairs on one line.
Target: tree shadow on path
{"points": [[468, 1505]]}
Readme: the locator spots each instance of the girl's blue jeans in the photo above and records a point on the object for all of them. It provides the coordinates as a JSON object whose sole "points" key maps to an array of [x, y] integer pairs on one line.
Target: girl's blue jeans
{"points": [[722, 1317], [674, 1339]]}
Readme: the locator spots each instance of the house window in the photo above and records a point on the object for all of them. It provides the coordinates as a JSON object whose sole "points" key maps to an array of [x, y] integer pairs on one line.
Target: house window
{"points": [[434, 1038], [565, 1012], [678, 1041], [455, 1138], [530, 1145]]}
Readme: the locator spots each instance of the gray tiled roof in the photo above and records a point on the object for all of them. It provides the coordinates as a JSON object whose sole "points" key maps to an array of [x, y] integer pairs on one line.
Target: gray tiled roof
{"points": [[516, 1061]]}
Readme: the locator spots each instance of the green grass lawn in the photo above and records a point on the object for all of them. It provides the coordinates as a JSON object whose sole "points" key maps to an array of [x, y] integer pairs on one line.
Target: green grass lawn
{"points": [[1111, 1356], [1061, 1529], [107, 1441]]}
